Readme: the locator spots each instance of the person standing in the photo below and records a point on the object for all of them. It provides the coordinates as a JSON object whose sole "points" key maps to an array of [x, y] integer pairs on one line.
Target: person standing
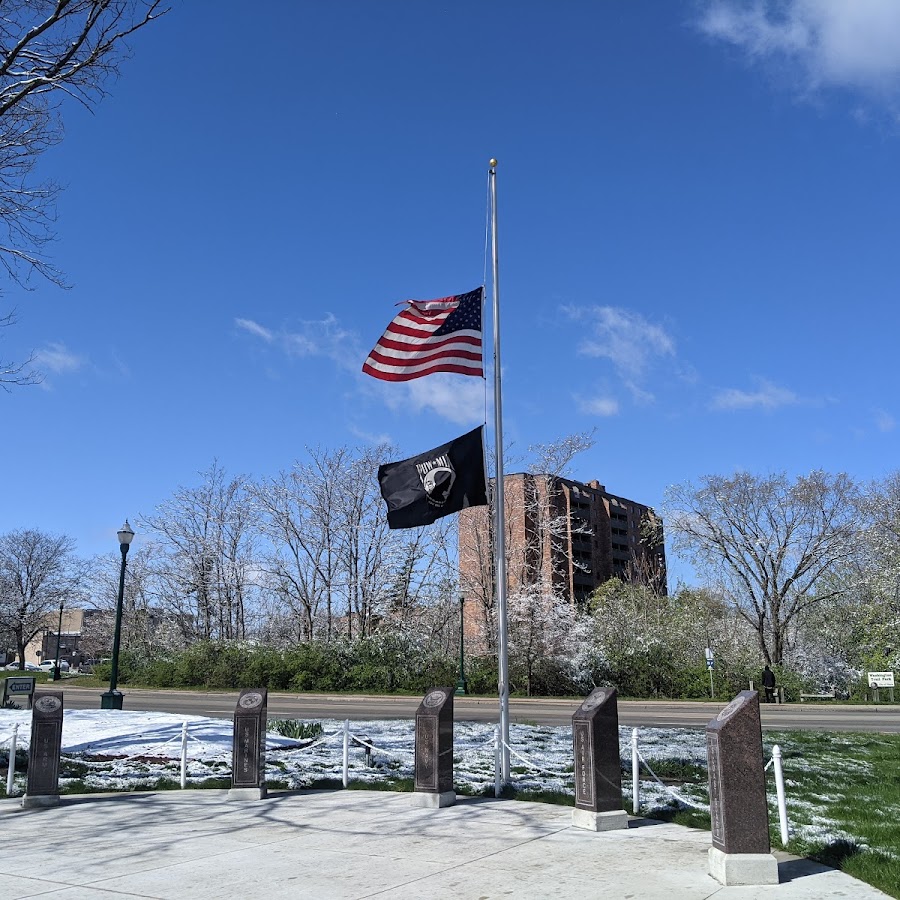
{"points": [[768, 680]]}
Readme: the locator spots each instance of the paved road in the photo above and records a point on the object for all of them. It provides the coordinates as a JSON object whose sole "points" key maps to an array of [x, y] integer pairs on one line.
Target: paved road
{"points": [[634, 713]]}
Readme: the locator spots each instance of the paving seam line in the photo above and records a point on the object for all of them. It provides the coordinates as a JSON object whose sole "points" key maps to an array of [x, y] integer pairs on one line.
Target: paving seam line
{"points": [[467, 862]]}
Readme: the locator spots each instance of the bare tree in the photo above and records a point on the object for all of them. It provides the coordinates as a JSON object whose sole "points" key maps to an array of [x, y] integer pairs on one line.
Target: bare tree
{"points": [[298, 519], [38, 571], [767, 543], [536, 523], [16, 374], [209, 559], [148, 625], [647, 565], [331, 560], [49, 50]]}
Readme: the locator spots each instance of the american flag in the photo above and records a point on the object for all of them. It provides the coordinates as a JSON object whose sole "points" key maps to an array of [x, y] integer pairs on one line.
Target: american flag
{"points": [[431, 336]]}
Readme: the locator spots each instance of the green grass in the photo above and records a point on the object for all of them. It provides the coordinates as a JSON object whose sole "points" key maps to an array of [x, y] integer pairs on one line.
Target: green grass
{"points": [[386, 784], [843, 797], [681, 771], [843, 801], [295, 728]]}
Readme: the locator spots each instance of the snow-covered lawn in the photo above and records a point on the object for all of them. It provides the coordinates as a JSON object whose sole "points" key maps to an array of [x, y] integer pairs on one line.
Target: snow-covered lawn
{"points": [[119, 750], [111, 750], [833, 781]]}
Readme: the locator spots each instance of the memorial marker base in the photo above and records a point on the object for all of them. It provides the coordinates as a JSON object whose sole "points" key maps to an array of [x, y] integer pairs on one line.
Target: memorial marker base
{"points": [[247, 793], [36, 801], [599, 821], [742, 868], [432, 800]]}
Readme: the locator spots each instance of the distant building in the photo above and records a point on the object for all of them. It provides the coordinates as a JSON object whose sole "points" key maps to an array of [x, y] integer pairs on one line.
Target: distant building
{"points": [[75, 623], [88, 633], [564, 533]]}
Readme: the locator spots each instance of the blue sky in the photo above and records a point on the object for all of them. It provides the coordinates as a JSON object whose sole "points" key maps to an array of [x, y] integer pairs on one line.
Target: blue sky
{"points": [[698, 233]]}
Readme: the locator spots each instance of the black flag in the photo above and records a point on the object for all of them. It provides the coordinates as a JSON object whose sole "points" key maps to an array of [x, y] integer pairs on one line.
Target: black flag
{"points": [[423, 488]]}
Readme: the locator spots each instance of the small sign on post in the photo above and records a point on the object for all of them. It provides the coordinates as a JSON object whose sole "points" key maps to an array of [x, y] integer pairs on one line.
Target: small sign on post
{"points": [[19, 687], [710, 663], [881, 680]]}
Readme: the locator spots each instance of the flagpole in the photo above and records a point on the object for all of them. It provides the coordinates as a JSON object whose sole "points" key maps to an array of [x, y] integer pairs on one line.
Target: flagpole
{"points": [[499, 499]]}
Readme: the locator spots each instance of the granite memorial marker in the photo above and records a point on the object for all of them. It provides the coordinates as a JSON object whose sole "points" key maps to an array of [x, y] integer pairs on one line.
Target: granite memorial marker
{"points": [[741, 853], [42, 786], [248, 756], [433, 785], [598, 770]]}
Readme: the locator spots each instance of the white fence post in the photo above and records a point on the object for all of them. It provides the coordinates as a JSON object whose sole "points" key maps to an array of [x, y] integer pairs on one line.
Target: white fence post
{"points": [[184, 737], [779, 791], [346, 751], [496, 760], [11, 773], [635, 773]]}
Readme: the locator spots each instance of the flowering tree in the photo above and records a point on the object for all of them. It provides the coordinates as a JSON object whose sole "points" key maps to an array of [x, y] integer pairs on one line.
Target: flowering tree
{"points": [[543, 632]]}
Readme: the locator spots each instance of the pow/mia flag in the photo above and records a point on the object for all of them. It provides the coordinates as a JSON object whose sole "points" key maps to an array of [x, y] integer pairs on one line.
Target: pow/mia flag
{"points": [[423, 488]]}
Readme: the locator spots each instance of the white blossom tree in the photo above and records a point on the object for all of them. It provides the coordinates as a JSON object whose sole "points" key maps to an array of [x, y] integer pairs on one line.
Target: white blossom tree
{"points": [[543, 631]]}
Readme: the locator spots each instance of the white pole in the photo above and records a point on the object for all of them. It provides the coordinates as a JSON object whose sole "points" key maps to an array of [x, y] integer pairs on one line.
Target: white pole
{"points": [[497, 784], [499, 498], [635, 773], [779, 790], [346, 776], [11, 772], [184, 737]]}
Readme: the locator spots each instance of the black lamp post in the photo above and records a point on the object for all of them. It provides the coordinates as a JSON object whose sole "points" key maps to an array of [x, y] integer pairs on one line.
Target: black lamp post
{"points": [[56, 675], [461, 685], [112, 699]]}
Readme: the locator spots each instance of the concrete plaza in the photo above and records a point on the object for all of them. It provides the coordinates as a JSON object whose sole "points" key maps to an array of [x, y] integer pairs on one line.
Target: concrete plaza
{"points": [[199, 845]]}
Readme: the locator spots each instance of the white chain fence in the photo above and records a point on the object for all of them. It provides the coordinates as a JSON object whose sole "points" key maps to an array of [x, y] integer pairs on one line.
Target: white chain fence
{"points": [[215, 762]]}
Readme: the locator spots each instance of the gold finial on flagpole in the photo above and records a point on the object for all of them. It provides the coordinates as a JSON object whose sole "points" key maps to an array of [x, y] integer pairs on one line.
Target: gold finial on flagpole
{"points": [[492, 163]]}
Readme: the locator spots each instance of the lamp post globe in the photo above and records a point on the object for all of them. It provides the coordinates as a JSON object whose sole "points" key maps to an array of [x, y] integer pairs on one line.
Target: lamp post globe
{"points": [[112, 699]]}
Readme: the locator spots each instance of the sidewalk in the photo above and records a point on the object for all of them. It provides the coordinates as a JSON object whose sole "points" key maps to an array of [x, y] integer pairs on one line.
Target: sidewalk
{"points": [[198, 845]]}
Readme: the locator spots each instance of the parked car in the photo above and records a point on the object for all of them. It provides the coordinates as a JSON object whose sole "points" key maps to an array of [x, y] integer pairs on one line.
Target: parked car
{"points": [[48, 665], [29, 667]]}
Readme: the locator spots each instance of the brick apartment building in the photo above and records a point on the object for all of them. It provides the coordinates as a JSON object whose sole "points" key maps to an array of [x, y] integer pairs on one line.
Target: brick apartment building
{"points": [[570, 535]]}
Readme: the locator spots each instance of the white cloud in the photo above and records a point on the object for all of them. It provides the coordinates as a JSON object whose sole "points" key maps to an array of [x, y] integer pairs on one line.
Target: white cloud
{"points": [[627, 339], [884, 421], [768, 396], [57, 358], [255, 328], [368, 437], [457, 398], [319, 337], [826, 43], [597, 406]]}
